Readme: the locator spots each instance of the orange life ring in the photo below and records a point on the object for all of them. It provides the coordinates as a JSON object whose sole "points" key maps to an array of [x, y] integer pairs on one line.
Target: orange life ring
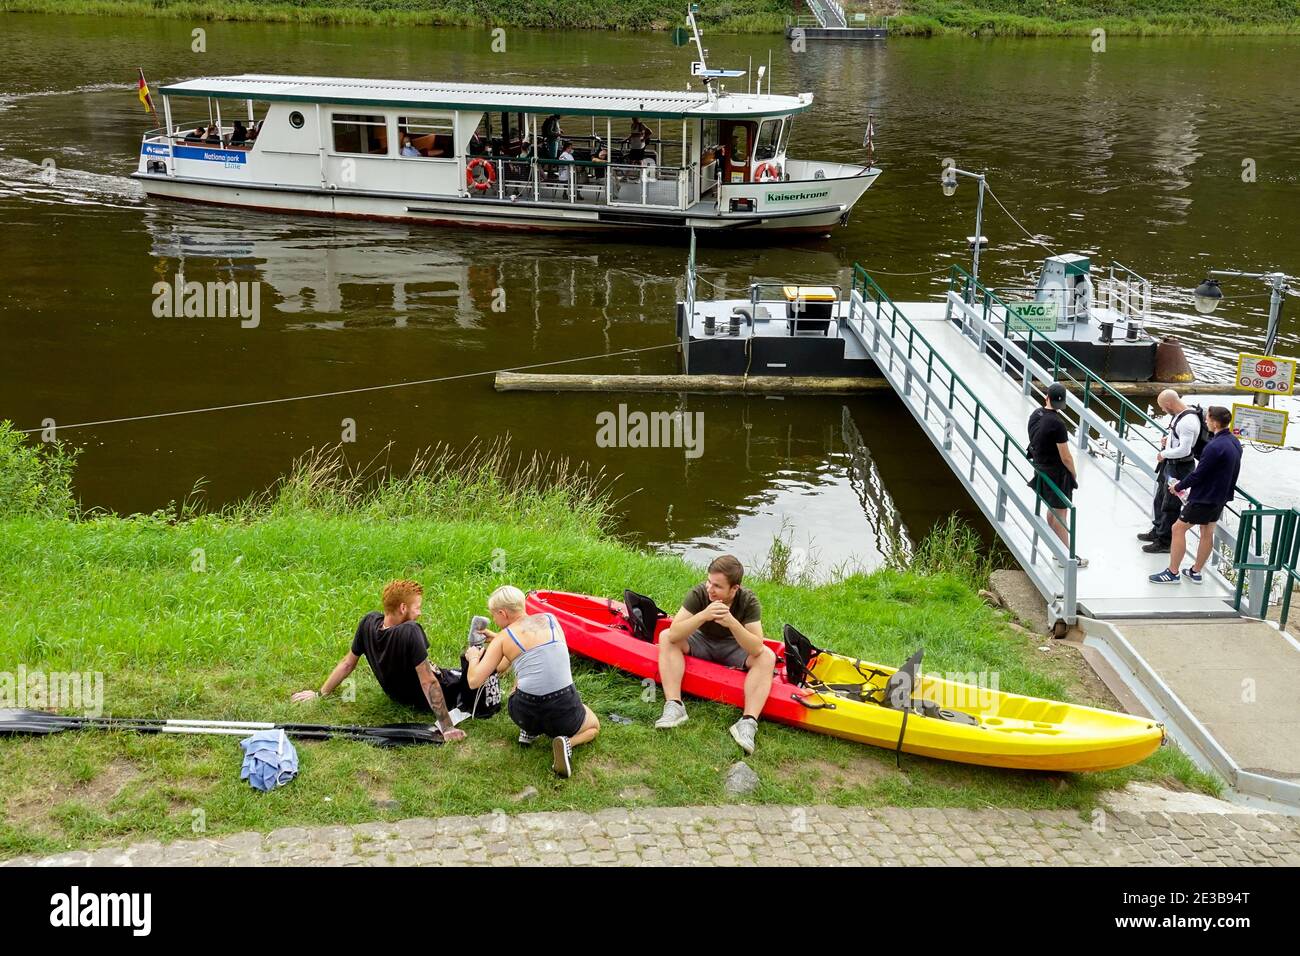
{"points": [[768, 173], [476, 180]]}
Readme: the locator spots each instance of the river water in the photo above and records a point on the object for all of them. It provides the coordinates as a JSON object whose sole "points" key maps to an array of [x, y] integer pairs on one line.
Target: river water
{"points": [[1134, 154]]}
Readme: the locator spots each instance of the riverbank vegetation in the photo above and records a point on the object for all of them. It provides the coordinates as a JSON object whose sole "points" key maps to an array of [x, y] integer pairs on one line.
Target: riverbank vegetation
{"points": [[911, 17], [188, 612]]}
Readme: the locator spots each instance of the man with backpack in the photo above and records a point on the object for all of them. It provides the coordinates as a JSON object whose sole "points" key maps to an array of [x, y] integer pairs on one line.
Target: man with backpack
{"points": [[1179, 450], [1212, 485]]}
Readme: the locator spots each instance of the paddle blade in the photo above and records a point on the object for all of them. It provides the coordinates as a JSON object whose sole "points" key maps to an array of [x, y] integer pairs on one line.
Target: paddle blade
{"points": [[397, 735], [15, 722]]}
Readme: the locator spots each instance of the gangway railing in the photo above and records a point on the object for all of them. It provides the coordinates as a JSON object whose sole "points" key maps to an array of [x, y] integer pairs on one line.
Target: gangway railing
{"points": [[1100, 410], [986, 457], [1282, 556]]}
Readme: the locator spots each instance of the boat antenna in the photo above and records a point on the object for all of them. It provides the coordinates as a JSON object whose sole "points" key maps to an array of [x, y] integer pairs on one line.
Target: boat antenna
{"points": [[700, 68], [703, 69]]}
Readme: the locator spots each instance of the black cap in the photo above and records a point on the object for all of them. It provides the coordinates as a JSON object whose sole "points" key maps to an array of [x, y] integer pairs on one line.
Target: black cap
{"points": [[1056, 395]]}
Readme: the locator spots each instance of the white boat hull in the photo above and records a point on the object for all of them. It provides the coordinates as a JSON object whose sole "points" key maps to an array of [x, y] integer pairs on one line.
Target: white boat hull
{"points": [[817, 206]]}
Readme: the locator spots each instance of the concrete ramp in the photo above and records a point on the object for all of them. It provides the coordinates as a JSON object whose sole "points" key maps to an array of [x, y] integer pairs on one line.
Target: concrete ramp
{"points": [[1227, 690]]}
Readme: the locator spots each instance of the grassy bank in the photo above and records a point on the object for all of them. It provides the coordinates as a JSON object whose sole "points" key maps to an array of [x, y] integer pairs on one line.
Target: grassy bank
{"points": [[223, 615], [914, 17]]}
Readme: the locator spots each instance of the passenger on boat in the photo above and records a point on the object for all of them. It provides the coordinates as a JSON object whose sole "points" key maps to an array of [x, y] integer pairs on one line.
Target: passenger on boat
{"points": [[637, 141], [408, 148], [566, 156], [545, 701], [551, 134], [718, 621], [239, 135], [196, 136], [398, 651], [214, 136]]}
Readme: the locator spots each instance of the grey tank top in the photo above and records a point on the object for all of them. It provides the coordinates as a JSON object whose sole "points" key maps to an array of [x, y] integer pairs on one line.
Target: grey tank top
{"points": [[543, 669]]}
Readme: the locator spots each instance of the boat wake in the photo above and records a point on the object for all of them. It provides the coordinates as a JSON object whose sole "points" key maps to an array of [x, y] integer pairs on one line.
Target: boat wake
{"points": [[48, 184], [10, 100]]}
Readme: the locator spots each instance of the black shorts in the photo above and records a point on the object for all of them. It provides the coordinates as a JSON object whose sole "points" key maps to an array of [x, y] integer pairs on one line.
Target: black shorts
{"points": [[1200, 513], [560, 714], [1064, 481], [720, 650]]}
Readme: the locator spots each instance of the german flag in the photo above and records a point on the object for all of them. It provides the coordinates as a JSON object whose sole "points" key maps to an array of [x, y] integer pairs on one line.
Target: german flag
{"points": [[143, 93]]}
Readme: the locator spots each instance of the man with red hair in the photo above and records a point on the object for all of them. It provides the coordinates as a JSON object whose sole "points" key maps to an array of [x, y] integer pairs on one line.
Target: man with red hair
{"points": [[398, 651]]}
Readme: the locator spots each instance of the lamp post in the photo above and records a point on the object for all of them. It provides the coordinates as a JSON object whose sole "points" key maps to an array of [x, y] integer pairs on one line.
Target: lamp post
{"points": [[1208, 295], [948, 180]]}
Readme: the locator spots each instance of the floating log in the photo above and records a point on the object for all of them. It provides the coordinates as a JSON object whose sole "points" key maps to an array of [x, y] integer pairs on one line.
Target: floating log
{"points": [[774, 384]]}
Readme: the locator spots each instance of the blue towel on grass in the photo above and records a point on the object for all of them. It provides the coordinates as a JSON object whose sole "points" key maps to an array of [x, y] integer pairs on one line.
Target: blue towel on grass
{"points": [[269, 760]]}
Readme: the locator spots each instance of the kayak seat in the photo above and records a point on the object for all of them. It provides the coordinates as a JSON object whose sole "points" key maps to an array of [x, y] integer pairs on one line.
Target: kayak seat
{"points": [[643, 614], [800, 654]]}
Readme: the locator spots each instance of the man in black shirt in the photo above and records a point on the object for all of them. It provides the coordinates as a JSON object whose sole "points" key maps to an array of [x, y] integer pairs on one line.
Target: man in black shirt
{"points": [[398, 651], [1049, 449]]}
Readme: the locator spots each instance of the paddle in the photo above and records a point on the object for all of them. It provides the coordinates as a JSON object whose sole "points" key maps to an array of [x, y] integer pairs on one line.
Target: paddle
{"points": [[36, 723]]}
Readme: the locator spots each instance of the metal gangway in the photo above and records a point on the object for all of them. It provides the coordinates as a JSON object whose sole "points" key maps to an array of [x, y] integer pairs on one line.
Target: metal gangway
{"points": [[828, 13], [971, 380]]}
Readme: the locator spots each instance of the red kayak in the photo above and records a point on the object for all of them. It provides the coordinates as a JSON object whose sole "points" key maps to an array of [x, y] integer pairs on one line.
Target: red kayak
{"points": [[599, 628], [892, 707]]}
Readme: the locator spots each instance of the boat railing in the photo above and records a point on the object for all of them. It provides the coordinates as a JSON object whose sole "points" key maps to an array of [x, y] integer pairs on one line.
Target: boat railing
{"points": [[583, 182], [988, 458], [1129, 434], [1260, 564], [799, 303]]}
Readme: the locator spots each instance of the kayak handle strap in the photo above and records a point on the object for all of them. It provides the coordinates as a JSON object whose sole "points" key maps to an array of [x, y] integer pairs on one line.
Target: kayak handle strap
{"points": [[811, 706]]}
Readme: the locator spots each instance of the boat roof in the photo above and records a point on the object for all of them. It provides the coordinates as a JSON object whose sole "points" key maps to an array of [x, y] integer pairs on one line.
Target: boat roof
{"points": [[569, 101]]}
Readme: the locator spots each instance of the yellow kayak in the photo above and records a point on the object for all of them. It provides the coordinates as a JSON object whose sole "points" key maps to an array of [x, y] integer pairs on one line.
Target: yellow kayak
{"points": [[967, 723]]}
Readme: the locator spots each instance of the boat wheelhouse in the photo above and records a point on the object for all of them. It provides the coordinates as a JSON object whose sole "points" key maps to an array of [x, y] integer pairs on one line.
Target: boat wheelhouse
{"points": [[492, 155]]}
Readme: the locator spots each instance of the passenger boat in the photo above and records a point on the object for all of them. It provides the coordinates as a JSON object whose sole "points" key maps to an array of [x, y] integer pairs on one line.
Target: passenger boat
{"points": [[899, 708], [566, 158]]}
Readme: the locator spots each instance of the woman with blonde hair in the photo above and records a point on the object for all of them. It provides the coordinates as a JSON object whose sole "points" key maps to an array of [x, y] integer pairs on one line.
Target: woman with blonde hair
{"points": [[545, 700]]}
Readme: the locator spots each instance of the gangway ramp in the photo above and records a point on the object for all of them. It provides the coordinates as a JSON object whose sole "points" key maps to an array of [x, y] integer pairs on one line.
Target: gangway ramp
{"points": [[971, 386]]}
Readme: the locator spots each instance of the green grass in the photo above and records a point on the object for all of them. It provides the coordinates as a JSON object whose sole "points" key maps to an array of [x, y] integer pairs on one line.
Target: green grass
{"points": [[917, 17], [282, 581]]}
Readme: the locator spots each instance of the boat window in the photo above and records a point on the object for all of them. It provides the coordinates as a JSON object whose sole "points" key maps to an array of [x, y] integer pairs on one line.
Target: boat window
{"points": [[785, 134], [709, 142], [739, 148], [296, 120], [769, 134], [429, 136], [354, 133]]}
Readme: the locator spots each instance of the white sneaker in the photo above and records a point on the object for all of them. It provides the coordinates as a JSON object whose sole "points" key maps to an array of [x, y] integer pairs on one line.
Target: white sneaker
{"points": [[674, 715], [743, 731]]}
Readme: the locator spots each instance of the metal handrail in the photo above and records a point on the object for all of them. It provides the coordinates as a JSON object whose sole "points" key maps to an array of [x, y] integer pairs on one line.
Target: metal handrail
{"points": [[1128, 415], [1283, 556], [990, 421]]}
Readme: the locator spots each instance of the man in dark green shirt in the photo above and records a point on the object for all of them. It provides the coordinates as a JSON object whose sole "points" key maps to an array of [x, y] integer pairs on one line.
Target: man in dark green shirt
{"points": [[718, 621]]}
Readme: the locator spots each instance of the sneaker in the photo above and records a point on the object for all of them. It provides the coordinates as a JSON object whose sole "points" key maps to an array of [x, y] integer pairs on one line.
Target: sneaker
{"points": [[1147, 536], [525, 738], [743, 731], [562, 763], [1164, 577], [674, 715], [1156, 547], [1192, 575]]}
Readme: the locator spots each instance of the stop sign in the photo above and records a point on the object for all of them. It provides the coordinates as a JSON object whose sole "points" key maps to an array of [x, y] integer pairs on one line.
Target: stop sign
{"points": [[1266, 368]]}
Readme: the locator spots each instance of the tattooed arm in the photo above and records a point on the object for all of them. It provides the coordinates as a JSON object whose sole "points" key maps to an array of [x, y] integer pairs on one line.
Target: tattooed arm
{"points": [[433, 694]]}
